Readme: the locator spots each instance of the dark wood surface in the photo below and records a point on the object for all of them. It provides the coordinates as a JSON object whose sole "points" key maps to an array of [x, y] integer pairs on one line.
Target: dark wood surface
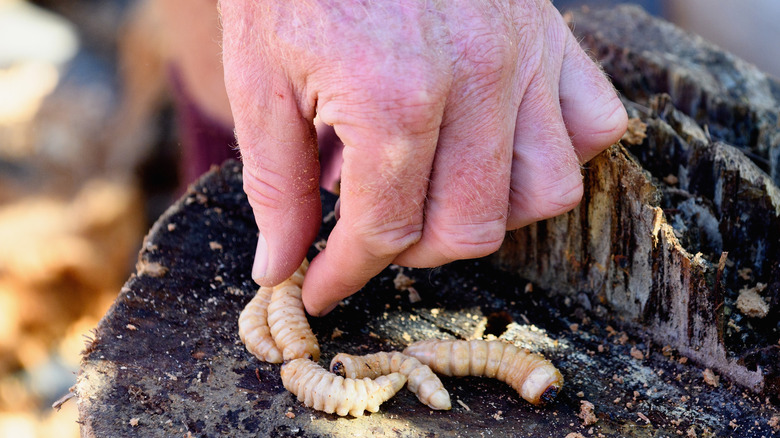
{"points": [[168, 359]]}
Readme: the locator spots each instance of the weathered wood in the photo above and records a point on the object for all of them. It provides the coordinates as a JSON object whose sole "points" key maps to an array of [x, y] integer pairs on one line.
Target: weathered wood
{"points": [[645, 56], [657, 217], [167, 361]]}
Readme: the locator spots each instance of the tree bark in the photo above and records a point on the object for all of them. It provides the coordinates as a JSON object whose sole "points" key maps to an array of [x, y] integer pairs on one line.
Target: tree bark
{"points": [[672, 227]]}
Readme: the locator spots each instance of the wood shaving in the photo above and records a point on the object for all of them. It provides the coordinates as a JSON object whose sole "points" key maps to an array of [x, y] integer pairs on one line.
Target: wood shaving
{"points": [[637, 354], [414, 296], [671, 179], [745, 273], [750, 302], [587, 413], [636, 132], [150, 269], [710, 378], [402, 282], [215, 246], [774, 422], [134, 421], [465, 406]]}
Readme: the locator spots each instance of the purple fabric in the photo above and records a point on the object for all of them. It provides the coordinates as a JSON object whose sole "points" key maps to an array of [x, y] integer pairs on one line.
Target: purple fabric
{"points": [[204, 141]]}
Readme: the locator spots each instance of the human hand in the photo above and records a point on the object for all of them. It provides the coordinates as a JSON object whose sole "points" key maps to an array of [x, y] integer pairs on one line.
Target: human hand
{"points": [[460, 120]]}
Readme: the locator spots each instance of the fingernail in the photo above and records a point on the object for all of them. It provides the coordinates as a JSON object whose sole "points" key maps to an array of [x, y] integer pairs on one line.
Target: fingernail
{"points": [[261, 259], [328, 309]]}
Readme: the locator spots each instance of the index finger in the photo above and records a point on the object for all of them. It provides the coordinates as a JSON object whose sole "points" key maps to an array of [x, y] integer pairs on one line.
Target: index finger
{"points": [[384, 183]]}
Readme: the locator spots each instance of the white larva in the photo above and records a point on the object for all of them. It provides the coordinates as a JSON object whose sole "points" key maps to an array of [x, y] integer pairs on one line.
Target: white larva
{"points": [[287, 320], [535, 378], [319, 389], [253, 323], [253, 328], [420, 379]]}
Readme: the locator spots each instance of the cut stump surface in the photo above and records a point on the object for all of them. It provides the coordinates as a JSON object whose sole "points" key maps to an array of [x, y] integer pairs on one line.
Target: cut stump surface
{"points": [[167, 361]]}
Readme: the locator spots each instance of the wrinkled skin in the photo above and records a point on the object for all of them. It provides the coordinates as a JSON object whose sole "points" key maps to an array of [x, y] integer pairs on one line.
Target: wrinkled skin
{"points": [[460, 120]]}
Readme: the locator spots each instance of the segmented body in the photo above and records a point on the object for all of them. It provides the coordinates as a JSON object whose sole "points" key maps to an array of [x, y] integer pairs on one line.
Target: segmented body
{"points": [[535, 378], [254, 323], [319, 389], [253, 328], [287, 319], [420, 379]]}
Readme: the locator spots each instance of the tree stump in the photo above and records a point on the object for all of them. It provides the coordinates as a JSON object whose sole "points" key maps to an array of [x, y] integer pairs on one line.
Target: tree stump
{"points": [[685, 216], [166, 359]]}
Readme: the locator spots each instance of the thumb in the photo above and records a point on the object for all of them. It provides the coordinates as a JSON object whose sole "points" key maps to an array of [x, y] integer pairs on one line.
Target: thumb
{"points": [[281, 170], [282, 186]]}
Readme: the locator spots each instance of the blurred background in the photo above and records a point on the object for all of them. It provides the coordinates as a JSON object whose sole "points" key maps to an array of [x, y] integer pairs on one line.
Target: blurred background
{"points": [[91, 154]]}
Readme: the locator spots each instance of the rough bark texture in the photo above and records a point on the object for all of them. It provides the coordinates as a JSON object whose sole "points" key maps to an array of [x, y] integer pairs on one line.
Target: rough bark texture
{"points": [[673, 227], [645, 56]]}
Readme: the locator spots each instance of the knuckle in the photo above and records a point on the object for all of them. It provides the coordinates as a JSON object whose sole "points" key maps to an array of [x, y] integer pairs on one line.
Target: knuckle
{"points": [[469, 219], [413, 109], [409, 101], [468, 241], [550, 200], [488, 54], [389, 238]]}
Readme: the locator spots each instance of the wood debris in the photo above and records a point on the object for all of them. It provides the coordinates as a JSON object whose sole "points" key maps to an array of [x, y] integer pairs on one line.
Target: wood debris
{"points": [[750, 302], [710, 378], [636, 132], [587, 413]]}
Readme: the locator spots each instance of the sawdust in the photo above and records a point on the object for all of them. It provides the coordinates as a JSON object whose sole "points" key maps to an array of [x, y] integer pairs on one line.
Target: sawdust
{"points": [[151, 269], [636, 132], [750, 302], [710, 378], [587, 413]]}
